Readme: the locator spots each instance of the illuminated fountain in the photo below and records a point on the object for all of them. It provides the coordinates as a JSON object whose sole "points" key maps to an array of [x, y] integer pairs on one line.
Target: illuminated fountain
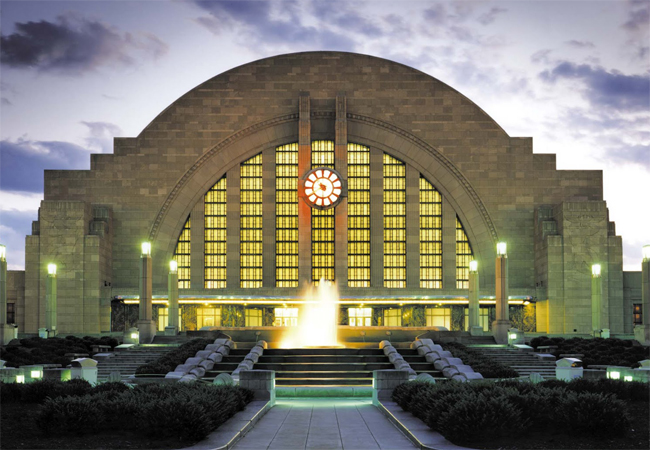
{"points": [[317, 319]]}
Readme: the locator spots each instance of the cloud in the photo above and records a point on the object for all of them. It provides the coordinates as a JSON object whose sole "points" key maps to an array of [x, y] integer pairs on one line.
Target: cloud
{"points": [[580, 44], [23, 161], [628, 153], [73, 45], [490, 16], [605, 89], [5, 101], [541, 56], [638, 19], [14, 226], [101, 135]]}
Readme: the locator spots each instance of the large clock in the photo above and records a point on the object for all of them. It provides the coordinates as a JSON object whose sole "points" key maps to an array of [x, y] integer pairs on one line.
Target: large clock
{"points": [[323, 188]]}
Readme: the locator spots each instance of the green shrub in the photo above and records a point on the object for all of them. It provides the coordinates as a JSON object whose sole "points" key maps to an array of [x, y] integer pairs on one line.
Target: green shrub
{"points": [[480, 415], [169, 361], [594, 413], [187, 422], [10, 392], [77, 415], [482, 364]]}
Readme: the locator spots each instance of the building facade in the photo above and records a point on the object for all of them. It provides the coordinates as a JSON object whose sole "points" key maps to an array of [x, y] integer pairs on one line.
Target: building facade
{"points": [[323, 166]]}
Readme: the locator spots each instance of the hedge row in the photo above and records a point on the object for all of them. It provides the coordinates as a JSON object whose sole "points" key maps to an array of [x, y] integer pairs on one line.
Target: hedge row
{"points": [[169, 361], [482, 364], [183, 411], [37, 350], [491, 410], [598, 351]]}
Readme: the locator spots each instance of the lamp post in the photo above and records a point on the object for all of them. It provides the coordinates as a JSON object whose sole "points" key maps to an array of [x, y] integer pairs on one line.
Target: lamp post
{"points": [[6, 331], [50, 301], [502, 323], [146, 325], [474, 327], [642, 332], [172, 296], [596, 299]]}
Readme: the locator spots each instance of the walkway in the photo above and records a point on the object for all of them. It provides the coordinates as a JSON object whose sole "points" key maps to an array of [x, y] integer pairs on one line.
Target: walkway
{"points": [[324, 424]]}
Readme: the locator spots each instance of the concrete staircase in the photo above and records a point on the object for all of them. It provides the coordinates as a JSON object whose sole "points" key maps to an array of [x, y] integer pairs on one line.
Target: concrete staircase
{"points": [[322, 366], [524, 362], [125, 362]]}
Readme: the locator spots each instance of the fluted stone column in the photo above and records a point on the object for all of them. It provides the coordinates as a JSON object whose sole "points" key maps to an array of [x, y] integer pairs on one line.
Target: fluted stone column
{"points": [[172, 298], [475, 328], [146, 325], [50, 300], [502, 324], [6, 330], [596, 300], [642, 332]]}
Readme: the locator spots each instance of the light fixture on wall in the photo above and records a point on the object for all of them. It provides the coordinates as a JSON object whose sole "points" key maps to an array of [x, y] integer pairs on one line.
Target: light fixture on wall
{"points": [[646, 252], [3, 252], [595, 270], [146, 248], [473, 266], [501, 248], [173, 266], [51, 269]]}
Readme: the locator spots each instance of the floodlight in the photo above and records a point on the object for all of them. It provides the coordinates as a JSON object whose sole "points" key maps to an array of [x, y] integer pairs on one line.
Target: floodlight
{"points": [[473, 266], [3, 252], [146, 248], [595, 270], [501, 248], [173, 266], [646, 252], [51, 269]]}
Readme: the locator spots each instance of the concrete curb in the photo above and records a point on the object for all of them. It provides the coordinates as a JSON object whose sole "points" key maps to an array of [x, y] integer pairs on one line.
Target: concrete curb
{"points": [[416, 430], [227, 435]]}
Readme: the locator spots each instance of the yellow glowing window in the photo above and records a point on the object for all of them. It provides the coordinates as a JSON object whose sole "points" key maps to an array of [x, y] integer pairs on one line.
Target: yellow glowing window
{"points": [[286, 317], [253, 317], [464, 255], [394, 196], [438, 317], [208, 316], [286, 215], [430, 236], [358, 215], [182, 256], [393, 317], [215, 209], [322, 221], [360, 317], [250, 236]]}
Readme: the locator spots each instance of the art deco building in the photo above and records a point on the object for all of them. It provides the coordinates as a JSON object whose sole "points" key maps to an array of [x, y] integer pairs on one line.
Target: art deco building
{"points": [[323, 166]]}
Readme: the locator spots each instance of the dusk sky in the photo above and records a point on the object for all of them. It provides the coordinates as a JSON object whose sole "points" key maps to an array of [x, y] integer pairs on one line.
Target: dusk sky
{"points": [[574, 75]]}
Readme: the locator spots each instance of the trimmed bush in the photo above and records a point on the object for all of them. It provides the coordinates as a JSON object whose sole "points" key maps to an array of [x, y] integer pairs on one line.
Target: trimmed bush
{"points": [[77, 415], [491, 410], [598, 351], [168, 362], [486, 366]]}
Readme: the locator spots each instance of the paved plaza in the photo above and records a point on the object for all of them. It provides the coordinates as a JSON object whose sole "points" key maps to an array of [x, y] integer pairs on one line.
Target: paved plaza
{"points": [[324, 424]]}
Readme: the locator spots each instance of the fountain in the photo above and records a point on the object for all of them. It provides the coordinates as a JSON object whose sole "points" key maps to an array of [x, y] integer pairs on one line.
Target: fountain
{"points": [[317, 319]]}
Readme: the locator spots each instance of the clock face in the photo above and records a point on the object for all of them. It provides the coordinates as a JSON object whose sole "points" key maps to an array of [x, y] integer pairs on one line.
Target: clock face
{"points": [[323, 188]]}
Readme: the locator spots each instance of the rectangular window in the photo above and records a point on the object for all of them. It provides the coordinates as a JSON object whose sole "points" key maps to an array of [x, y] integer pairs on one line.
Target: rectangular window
{"points": [[438, 317], [286, 317], [163, 318], [208, 316], [463, 256], [182, 256], [359, 317], [11, 313], [358, 216], [484, 318], [430, 236], [215, 210], [637, 314], [250, 253], [394, 223], [286, 216], [322, 221], [393, 317], [253, 317]]}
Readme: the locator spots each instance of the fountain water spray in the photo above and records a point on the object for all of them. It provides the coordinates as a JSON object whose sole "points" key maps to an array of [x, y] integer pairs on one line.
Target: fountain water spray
{"points": [[317, 318]]}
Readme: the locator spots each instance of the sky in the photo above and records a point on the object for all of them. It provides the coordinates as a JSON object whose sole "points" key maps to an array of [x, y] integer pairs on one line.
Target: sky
{"points": [[574, 75]]}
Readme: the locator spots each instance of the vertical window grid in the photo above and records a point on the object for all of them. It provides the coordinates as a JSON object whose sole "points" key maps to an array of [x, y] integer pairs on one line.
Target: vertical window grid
{"points": [[430, 236], [322, 221], [394, 222], [358, 216], [286, 215], [215, 208], [464, 255], [250, 254], [182, 256], [359, 317]]}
